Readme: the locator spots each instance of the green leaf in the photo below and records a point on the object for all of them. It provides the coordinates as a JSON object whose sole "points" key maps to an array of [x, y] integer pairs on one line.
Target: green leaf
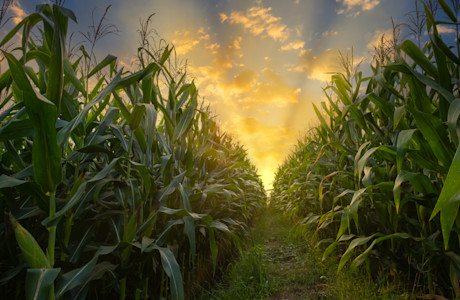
{"points": [[447, 10], [110, 115], [419, 58], [321, 119], [105, 62], [70, 74], [354, 243], [435, 134], [172, 186], [145, 175], [420, 182], [104, 172], [354, 205], [186, 119], [398, 116], [71, 203], [136, 116], [32, 19], [137, 76], [448, 208], [68, 13], [164, 234], [387, 108], [55, 85], [64, 133], [358, 156], [38, 283], [363, 256], [329, 250], [423, 79], [446, 50], [404, 138], [172, 269], [46, 156], [75, 277], [452, 120], [8, 181], [363, 160]]}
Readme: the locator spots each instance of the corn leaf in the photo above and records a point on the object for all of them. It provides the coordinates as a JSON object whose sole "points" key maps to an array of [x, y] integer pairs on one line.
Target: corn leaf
{"points": [[172, 269], [45, 152], [448, 208], [38, 283]]}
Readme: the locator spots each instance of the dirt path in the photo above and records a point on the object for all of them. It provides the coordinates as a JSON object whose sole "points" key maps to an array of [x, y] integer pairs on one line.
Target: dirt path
{"points": [[288, 265], [281, 263]]}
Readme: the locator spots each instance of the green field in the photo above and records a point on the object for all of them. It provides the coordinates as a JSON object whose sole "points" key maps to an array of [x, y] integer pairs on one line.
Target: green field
{"points": [[120, 184]]}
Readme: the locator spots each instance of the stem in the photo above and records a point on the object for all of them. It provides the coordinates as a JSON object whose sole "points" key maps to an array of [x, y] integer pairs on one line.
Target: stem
{"points": [[123, 289], [458, 52], [52, 230], [129, 168], [68, 230], [52, 239]]}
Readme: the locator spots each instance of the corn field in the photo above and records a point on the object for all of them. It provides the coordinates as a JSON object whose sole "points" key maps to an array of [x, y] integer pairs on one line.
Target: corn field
{"points": [[114, 184], [378, 178]]}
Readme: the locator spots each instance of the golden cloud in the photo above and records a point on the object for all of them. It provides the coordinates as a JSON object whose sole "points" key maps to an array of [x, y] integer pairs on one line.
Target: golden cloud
{"points": [[18, 12], [224, 56], [330, 33], [358, 4], [184, 40], [445, 29], [377, 38], [258, 20], [212, 79], [214, 48], [274, 90], [243, 81], [293, 46], [317, 66]]}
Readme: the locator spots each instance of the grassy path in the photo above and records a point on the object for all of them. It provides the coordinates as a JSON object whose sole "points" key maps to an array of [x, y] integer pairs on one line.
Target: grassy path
{"points": [[280, 263]]}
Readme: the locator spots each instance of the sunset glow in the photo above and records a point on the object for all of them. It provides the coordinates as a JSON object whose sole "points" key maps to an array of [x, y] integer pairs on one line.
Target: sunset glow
{"points": [[259, 64]]}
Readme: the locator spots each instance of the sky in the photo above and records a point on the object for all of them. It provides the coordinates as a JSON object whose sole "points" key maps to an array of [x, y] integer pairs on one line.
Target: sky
{"points": [[260, 65]]}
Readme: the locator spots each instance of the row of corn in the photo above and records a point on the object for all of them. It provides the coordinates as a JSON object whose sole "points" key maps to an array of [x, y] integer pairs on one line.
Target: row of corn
{"points": [[114, 184], [379, 176]]}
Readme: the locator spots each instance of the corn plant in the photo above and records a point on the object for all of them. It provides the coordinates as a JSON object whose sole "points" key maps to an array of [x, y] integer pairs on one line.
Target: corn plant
{"points": [[116, 191], [378, 177]]}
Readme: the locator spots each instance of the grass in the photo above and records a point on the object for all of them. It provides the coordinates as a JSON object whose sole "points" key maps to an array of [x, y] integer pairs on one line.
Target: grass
{"points": [[280, 261]]}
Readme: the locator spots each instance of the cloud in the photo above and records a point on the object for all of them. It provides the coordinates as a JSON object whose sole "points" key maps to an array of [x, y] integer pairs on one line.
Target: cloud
{"points": [[214, 48], [298, 30], [360, 5], [274, 90], [225, 56], [212, 76], [184, 40], [317, 66], [259, 21], [330, 33], [293, 46], [243, 81], [377, 38], [18, 12], [445, 29], [127, 62]]}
